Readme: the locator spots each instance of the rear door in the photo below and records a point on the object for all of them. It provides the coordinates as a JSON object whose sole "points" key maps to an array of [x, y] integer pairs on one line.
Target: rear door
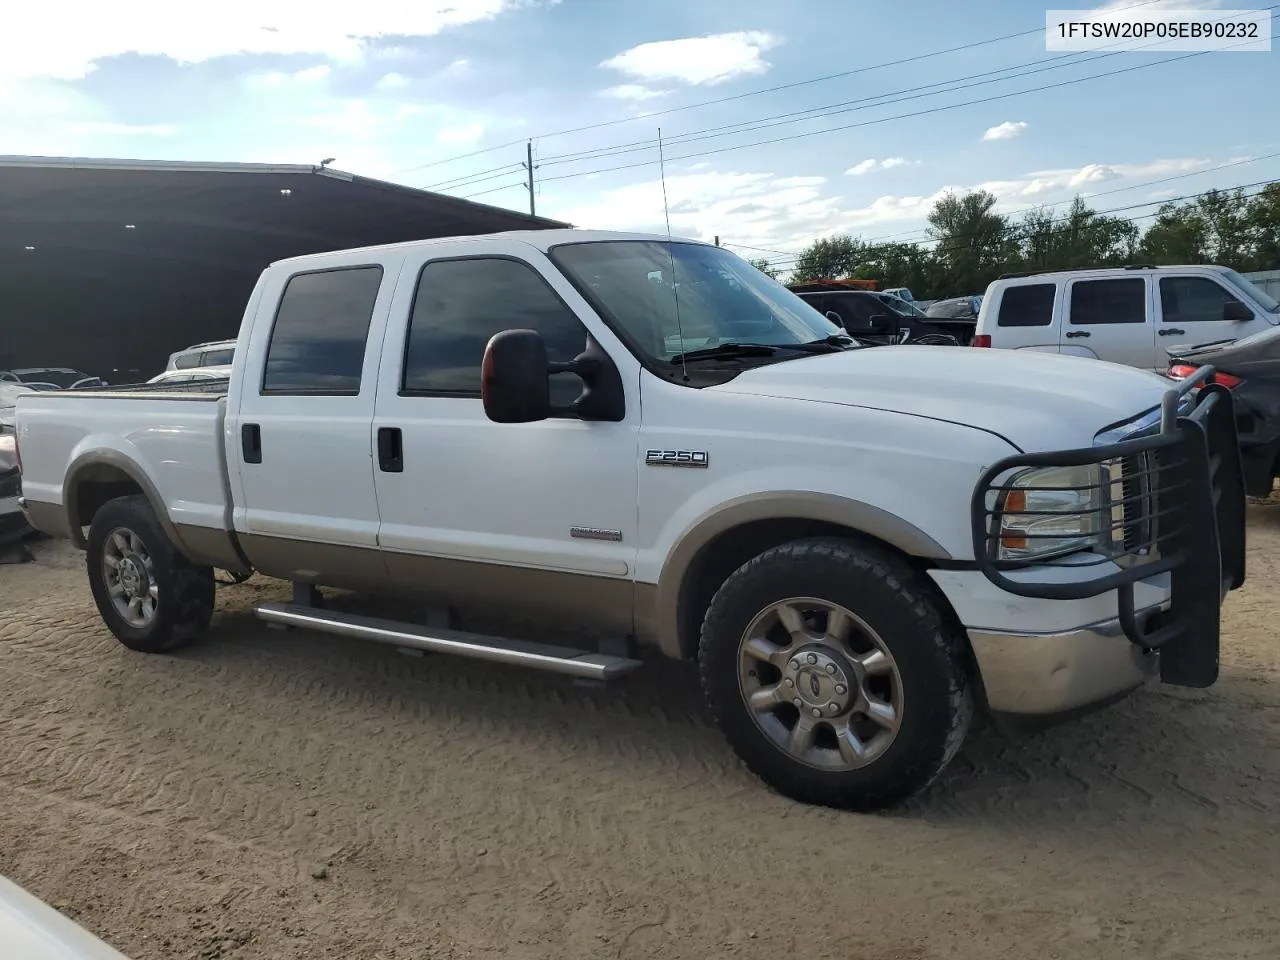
{"points": [[300, 443], [1110, 319], [1190, 311]]}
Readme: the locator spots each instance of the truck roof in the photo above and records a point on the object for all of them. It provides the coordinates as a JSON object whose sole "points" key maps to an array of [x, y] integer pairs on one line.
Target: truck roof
{"points": [[541, 239]]}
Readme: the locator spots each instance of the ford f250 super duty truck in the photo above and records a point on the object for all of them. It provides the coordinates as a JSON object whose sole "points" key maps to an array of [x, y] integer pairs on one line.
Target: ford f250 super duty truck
{"points": [[649, 441]]}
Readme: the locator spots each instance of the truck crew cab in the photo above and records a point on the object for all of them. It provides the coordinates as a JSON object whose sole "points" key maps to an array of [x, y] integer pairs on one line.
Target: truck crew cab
{"points": [[651, 439]]}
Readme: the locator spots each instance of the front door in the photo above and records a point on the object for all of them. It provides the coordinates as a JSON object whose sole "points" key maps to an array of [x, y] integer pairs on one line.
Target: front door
{"points": [[1191, 312], [1110, 319], [537, 516]]}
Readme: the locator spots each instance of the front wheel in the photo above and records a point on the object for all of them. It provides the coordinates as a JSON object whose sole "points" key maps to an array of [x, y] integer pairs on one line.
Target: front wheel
{"points": [[834, 675], [149, 595]]}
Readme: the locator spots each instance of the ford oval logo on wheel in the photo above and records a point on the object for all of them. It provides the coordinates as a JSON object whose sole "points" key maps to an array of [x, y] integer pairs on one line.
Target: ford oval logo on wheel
{"points": [[814, 685]]}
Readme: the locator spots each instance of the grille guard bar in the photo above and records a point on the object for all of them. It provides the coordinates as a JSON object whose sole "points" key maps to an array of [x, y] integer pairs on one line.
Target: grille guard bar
{"points": [[1195, 511]]}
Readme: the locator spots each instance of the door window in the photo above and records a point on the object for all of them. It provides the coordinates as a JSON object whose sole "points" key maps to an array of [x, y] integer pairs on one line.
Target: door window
{"points": [[458, 307], [321, 330], [1192, 299], [1109, 301]]}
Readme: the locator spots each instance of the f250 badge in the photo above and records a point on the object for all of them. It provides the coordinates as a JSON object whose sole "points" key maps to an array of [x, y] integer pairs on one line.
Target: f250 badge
{"points": [[676, 458]]}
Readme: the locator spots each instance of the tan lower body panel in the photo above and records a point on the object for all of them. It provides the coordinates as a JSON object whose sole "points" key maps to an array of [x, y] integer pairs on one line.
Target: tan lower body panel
{"points": [[586, 602]]}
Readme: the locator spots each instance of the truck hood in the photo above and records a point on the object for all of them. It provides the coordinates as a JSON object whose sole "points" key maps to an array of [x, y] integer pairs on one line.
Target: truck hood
{"points": [[1036, 401]]}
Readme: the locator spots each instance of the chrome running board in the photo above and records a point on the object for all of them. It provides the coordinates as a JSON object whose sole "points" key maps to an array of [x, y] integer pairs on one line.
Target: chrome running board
{"points": [[569, 661]]}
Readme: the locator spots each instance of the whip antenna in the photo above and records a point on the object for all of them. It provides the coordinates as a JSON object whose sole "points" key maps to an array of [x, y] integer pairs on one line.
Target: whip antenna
{"points": [[675, 287]]}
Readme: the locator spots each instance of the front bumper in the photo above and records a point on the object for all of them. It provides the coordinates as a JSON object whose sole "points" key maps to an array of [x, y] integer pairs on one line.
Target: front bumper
{"points": [[13, 523], [1050, 673], [1172, 507]]}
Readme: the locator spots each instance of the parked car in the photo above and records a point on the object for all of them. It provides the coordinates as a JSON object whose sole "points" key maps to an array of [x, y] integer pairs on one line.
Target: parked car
{"points": [[30, 929], [852, 544], [50, 378], [1122, 314], [218, 353], [9, 393], [872, 318], [12, 522], [192, 375], [1250, 369], [902, 293]]}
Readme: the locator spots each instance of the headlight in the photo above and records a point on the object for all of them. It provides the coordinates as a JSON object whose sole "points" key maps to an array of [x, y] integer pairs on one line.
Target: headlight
{"points": [[1052, 511]]}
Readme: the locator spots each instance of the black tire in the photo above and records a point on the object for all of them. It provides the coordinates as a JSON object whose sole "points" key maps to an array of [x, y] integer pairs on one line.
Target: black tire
{"points": [[893, 600], [184, 604]]}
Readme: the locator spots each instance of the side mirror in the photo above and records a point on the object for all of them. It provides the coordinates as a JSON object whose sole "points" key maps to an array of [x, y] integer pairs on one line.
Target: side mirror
{"points": [[514, 378], [882, 323], [1236, 312]]}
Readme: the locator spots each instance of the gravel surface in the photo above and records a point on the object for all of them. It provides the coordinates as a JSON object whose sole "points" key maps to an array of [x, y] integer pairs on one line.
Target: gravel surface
{"points": [[288, 795]]}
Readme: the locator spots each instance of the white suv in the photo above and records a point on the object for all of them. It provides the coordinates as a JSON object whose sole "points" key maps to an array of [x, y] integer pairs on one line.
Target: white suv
{"points": [[218, 353], [1128, 315]]}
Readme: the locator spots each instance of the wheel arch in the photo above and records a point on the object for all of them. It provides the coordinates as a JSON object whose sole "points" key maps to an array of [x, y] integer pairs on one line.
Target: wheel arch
{"points": [[100, 476], [706, 553]]}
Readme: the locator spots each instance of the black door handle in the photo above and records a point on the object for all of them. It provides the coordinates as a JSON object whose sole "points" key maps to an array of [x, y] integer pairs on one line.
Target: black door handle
{"points": [[251, 442], [1170, 331], [390, 450], [1078, 333]]}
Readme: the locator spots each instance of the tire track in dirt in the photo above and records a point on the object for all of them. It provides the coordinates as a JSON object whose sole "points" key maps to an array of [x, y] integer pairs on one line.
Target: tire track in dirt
{"points": [[474, 811]]}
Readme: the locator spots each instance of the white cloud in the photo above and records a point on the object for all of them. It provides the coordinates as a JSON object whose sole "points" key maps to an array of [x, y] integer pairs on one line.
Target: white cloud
{"points": [[889, 163], [1005, 131], [697, 60], [634, 92], [362, 119], [392, 81], [461, 136], [458, 68], [203, 32], [276, 79], [106, 128], [756, 209]]}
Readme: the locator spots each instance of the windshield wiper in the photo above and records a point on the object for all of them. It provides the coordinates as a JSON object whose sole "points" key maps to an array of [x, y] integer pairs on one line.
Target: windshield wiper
{"points": [[726, 351]]}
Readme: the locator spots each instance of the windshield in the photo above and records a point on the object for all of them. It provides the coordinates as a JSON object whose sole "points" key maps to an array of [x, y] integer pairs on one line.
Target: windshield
{"points": [[1268, 302], [900, 306], [711, 298]]}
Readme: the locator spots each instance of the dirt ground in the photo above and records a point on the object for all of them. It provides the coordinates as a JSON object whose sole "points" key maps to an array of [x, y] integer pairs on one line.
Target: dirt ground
{"points": [[286, 795]]}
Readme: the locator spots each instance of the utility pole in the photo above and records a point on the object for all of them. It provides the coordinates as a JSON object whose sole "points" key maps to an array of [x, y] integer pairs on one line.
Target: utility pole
{"points": [[717, 239], [528, 165]]}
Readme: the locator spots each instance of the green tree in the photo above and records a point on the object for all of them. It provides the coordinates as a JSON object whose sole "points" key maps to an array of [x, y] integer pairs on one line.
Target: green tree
{"points": [[974, 243], [1179, 234], [1229, 237], [836, 258], [764, 266], [1264, 228], [1078, 238]]}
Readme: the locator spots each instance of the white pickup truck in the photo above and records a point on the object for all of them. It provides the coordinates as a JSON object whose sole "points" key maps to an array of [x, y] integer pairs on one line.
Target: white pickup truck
{"points": [[650, 439]]}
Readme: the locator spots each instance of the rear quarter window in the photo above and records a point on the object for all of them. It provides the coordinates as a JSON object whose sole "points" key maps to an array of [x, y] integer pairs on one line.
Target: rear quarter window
{"points": [[1027, 305]]}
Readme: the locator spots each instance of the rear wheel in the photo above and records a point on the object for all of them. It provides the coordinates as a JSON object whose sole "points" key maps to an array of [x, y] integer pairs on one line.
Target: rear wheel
{"points": [[834, 675], [150, 597]]}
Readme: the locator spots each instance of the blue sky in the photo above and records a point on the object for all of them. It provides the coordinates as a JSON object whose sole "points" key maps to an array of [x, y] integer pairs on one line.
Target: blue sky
{"points": [[391, 88]]}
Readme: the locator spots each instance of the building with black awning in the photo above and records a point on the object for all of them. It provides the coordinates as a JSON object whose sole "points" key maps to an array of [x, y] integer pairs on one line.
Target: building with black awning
{"points": [[108, 266]]}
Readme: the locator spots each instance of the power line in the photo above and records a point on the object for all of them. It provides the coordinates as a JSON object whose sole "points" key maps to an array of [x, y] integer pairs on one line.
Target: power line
{"points": [[754, 93], [813, 113], [902, 116]]}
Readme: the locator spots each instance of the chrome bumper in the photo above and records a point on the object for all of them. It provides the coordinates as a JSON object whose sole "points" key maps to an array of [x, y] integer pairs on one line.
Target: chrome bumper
{"points": [[1048, 673]]}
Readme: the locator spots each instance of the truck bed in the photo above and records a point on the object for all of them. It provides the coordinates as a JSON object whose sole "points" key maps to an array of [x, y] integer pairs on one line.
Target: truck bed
{"points": [[166, 441]]}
